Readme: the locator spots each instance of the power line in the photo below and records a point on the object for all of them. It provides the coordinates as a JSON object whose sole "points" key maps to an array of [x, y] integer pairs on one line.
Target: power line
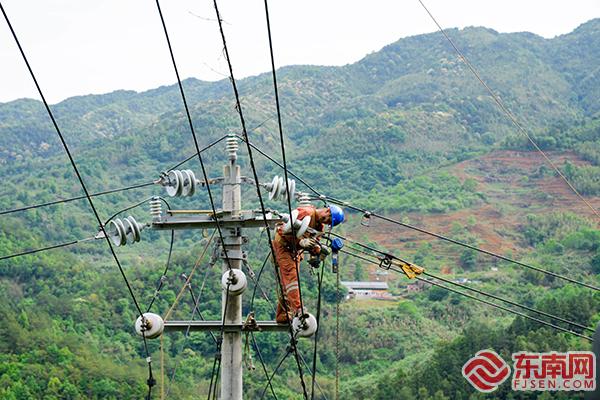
{"points": [[256, 181], [110, 191], [193, 132], [318, 318], [163, 277], [72, 161], [285, 171], [506, 111], [55, 246], [268, 157], [508, 301], [150, 380], [54, 202], [322, 197], [287, 353], [459, 243], [553, 326], [262, 363], [475, 298]]}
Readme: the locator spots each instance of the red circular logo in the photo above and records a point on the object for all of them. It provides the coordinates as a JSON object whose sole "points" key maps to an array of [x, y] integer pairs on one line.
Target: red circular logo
{"points": [[486, 371]]}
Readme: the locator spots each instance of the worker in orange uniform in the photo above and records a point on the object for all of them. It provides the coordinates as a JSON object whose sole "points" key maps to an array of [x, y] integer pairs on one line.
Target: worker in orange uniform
{"points": [[286, 259]]}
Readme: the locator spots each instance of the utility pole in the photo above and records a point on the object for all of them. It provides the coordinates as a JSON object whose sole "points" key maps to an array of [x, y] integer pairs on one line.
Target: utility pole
{"points": [[231, 350], [232, 220]]}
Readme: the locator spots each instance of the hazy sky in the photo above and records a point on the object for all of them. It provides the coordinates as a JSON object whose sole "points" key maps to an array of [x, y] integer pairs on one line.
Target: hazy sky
{"points": [[95, 46]]}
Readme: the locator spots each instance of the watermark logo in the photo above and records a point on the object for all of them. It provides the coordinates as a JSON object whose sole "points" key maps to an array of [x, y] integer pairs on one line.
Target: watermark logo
{"points": [[486, 371], [574, 370]]}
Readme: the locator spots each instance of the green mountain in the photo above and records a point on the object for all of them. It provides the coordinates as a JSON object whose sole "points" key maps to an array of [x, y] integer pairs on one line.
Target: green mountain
{"points": [[407, 130]]}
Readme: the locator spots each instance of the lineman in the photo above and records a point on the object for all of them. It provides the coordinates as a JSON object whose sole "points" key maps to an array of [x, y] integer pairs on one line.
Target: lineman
{"points": [[286, 259]]}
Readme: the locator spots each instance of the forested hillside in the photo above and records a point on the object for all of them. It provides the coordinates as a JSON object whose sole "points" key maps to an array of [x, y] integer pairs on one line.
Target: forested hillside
{"points": [[406, 131]]}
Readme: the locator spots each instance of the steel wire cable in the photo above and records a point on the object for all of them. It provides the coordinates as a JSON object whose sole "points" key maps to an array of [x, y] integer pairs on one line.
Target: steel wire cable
{"points": [[164, 274], [110, 191], [256, 181], [506, 111], [193, 132], [206, 180], [256, 280], [462, 244], [495, 297], [556, 327], [287, 353], [196, 302], [542, 322], [262, 363], [55, 246], [322, 197], [268, 157], [54, 202], [285, 170], [392, 256], [257, 285], [337, 336], [72, 161], [318, 318]]}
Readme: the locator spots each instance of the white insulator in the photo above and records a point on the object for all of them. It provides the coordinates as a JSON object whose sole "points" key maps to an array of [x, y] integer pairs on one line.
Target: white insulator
{"points": [[189, 182], [156, 208], [232, 147], [151, 327], [304, 326], [133, 230], [303, 199], [291, 188], [236, 280], [273, 187], [300, 225], [116, 232]]}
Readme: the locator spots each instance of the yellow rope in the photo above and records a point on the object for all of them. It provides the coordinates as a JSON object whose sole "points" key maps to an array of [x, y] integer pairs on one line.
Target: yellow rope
{"points": [[162, 369], [168, 314], [189, 278]]}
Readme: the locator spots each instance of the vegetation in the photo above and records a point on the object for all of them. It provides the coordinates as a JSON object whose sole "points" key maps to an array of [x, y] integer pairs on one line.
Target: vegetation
{"points": [[393, 133]]}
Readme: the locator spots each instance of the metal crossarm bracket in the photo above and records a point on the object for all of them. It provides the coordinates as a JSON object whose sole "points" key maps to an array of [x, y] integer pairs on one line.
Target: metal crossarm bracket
{"points": [[201, 219], [262, 326]]}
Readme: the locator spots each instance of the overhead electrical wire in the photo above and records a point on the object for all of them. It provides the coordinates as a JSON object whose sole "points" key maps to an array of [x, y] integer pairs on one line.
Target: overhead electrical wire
{"points": [[459, 243], [110, 191], [206, 180], [193, 132], [548, 324], [262, 363], [316, 334], [282, 142], [55, 246], [54, 202], [71, 159], [150, 382], [196, 302], [506, 111], [508, 301], [256, 181], [322, 197]]}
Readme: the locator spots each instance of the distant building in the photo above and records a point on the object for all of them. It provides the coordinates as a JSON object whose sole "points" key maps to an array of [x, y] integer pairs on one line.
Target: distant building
{"points": [[367, 290], [416, 286]]}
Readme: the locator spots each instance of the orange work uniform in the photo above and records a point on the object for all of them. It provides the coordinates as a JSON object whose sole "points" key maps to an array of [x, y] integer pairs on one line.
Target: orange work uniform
{"points": [[286, 261]]}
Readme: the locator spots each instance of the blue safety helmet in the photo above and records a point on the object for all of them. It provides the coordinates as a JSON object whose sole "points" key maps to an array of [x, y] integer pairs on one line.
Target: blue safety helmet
{"points": [[337, 215]]}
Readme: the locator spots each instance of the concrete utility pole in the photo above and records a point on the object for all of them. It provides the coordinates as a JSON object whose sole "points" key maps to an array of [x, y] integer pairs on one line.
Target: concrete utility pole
{"points": [[232, 219], [231, 350]]}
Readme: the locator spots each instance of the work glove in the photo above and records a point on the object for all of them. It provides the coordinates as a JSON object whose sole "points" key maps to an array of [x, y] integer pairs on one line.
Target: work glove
{"points": [[308, 243]]}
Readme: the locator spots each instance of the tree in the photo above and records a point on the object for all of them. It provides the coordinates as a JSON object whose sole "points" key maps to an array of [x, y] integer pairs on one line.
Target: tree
{"points": [[359, 272]]}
